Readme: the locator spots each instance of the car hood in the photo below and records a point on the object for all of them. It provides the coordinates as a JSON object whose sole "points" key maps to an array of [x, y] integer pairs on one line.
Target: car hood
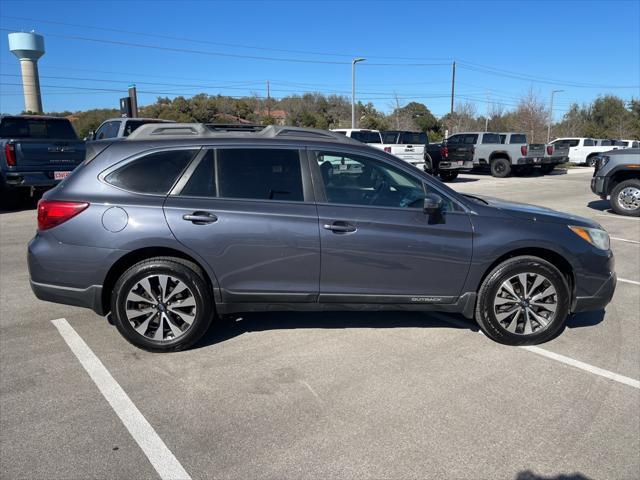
{"points": [[536, 213]]}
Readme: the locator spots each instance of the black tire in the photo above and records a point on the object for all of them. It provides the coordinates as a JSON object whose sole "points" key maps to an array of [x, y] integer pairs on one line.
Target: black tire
{"points": [[11, 198], [428, 165], [500, 168], [591, 160], [547, 168], [188, 273], [630, 190], [487, 296], [448, 175]]}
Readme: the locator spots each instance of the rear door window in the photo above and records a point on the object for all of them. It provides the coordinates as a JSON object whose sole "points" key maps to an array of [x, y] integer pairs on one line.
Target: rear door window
{"points": [[588, 142], [472, 139], [154, 173], [490, 138], [260, 174]]}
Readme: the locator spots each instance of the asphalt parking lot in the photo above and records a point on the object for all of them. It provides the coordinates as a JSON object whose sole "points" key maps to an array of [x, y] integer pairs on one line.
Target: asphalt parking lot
{"points": [[326, 395]]}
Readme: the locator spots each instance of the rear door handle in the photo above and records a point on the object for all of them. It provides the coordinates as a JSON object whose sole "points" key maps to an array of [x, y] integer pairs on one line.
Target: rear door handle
{"points": [[200, 218], [340, 227]]}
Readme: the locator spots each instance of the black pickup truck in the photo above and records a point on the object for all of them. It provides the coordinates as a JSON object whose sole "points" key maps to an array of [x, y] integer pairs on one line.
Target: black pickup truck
{"points": [[36, 153], [447, 165]]}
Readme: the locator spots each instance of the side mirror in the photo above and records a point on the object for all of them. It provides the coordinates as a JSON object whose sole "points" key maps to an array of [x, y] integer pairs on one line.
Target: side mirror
{"points": [[432, 204], [91, 135]]}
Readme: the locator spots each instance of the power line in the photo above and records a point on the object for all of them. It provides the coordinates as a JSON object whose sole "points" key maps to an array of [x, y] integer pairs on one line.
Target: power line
{"points": [[209, 42], [520, 76], [222, 54]]}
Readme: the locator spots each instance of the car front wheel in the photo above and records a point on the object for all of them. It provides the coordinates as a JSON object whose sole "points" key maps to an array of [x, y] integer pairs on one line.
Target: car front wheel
{"points": [[523, 301], [625, 198], [162, 304]]}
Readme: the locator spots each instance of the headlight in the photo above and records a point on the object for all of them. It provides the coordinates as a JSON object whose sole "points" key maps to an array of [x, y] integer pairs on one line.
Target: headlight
{"points": [[595, 236]]}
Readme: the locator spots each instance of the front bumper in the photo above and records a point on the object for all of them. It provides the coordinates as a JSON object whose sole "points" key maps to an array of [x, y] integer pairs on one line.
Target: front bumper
{"points": [[599, 186], [597, 301], [90, 297]]}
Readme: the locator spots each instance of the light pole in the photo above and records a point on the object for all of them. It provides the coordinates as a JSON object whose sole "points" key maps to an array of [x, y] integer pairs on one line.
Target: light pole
{"points": [[353, 90], [553, 92]]}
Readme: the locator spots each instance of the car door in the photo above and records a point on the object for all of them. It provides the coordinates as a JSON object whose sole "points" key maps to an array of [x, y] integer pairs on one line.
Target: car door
{"points": [[377, 244], [250, 214]]}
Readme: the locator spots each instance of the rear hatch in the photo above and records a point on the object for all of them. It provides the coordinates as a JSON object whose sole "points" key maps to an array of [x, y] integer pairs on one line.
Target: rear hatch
{"points": [[537, 150], [42, 143], [558, 149]]}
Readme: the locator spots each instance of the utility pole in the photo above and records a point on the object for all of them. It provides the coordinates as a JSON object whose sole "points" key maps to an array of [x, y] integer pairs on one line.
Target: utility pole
{"points": [[353, 90], [453, 85], [486, 119], [268, 100], [397, 111], [553, 92]]}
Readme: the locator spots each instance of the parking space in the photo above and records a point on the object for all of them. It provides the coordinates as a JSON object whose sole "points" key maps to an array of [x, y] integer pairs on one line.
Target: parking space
{"points": [[328, 395]]}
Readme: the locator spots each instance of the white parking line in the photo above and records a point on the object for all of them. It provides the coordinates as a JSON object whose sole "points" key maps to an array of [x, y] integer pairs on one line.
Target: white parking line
{"points": [[624, 240], [624, 280], [562, 359], [165, 463], [584, 366], [613, 215]]}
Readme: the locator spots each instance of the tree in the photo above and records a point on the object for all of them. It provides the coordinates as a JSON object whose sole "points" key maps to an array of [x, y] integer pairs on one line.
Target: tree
{"points": [[531, 117]]}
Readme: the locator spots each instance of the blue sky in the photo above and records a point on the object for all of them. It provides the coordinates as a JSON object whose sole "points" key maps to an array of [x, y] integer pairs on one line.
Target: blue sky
{"points": [[502, 48]]}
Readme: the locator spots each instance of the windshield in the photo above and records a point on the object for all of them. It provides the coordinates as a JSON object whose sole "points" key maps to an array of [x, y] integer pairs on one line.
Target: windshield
{"points": [[366, 136], [409, 138], [23, 127]]}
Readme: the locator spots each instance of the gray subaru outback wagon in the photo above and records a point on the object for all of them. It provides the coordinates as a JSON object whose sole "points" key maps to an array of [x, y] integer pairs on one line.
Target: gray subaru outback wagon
{"points": [[182, 222]]}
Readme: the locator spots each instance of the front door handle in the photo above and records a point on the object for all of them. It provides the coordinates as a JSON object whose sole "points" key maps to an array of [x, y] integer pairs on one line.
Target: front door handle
{"points": [[200, 218], [340, 227]]}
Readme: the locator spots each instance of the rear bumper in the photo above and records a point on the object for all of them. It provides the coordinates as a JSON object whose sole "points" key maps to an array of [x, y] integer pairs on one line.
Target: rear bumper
{"points": [[597, 301], [454, 165], [541, 160], [32, 179], [90, 297]]}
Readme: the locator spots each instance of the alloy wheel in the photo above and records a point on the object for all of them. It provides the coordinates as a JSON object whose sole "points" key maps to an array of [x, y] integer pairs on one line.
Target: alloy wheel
{"points": [[629, 198], [525, 303], [161, 307]]}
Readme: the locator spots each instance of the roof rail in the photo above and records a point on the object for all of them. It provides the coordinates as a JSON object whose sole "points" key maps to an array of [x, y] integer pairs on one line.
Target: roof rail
{"points": [[154, 131]]}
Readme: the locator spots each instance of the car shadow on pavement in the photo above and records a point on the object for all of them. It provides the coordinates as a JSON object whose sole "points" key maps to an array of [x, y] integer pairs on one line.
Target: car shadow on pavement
{"points": [[232, 326], [600, 205], [529, 475], [464, 180]]}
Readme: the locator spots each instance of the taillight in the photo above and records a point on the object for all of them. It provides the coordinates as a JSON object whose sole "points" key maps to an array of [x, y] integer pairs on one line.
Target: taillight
{"points": [[52, 213], [523, 150], [549, 149], [444, 151], [10, 154], [387, 149]]}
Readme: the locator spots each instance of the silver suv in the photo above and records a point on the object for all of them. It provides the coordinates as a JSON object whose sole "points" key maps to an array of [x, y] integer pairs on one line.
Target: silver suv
{"points": [[617, 175]]}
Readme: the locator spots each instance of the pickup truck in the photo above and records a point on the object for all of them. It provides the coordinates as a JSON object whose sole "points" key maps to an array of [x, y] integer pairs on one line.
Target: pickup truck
{"points": [[545, 157], [371, 137], [438, 161], [583, 150], [121, 127], [617, 175], [37, 152]]}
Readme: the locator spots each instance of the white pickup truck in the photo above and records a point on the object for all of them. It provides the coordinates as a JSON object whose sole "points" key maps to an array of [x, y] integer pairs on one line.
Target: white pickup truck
{"points": [[409, 146], [583, 150]]}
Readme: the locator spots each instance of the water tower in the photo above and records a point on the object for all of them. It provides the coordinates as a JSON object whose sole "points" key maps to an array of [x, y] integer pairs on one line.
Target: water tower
{"points": [[29, 47]]}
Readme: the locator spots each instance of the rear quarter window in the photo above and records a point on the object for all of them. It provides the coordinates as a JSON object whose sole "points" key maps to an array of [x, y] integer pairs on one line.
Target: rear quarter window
{"points": [[519, 138], [153, 174]]}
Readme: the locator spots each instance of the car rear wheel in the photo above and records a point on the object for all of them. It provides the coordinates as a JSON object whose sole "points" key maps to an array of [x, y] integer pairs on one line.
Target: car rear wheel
{"points": [[523, 301], [428, 164], [162, 304], [448, 175], [500, 167], [625, 198]]}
